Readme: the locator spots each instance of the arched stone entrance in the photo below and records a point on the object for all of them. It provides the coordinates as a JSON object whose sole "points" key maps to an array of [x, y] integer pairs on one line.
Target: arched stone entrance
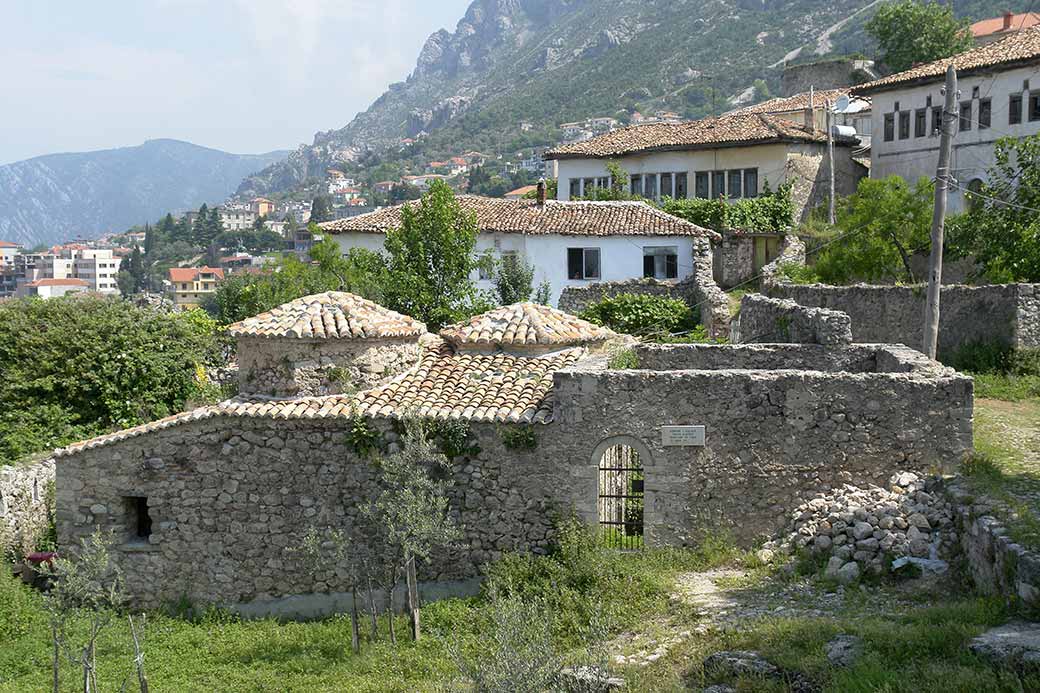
{"points": [[621, 463]]}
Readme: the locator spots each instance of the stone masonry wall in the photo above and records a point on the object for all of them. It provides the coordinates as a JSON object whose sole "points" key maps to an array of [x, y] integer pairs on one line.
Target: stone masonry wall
{"points": [[735, 258], [773, 438], [698, 290], [24, 505], [230, 498], [1006, 313], [313, 367], [764, 320]]}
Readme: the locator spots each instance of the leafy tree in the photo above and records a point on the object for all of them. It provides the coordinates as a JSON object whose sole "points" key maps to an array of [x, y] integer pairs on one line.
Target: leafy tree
{"points": [[619, 186], [80, 366], [321, 210], [641, 314], [411, 510], [909, 32], [543, 294], [761, 90], [430, 259], [1002, 227], [514, 280], [882, 225]]}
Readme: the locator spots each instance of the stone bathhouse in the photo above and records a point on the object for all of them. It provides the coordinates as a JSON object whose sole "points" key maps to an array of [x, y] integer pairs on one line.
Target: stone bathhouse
{"points": [[206, 503]]}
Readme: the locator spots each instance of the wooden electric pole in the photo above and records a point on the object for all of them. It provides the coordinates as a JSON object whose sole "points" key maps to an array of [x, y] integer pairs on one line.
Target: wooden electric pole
{"points": [[830, 161], [942, 182]]}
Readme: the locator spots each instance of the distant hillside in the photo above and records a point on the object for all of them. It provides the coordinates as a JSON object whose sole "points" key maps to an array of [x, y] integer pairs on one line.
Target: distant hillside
{"points": [[55, 197], [549, 61]]}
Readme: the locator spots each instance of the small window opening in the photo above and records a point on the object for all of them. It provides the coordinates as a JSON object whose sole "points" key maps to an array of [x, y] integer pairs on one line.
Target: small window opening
{"points": [[139, 521]]}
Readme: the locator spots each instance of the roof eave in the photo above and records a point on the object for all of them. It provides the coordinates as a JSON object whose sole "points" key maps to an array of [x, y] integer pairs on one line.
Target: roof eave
{"points": [[867, 89], [688, 148]]}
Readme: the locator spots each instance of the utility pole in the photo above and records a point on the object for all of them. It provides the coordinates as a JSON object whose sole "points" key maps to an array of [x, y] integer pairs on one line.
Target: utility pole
{"points": [[942, 181], [830, 161]]}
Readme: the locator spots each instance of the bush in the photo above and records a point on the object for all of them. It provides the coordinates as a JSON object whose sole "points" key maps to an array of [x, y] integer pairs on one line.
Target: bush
{"points": [[995, 358], [642, 315], [797, 273], [770, 212]]}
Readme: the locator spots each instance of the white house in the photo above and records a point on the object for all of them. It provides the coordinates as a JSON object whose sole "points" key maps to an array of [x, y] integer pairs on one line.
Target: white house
{"points": [[734, 156], [999, 85], [847, 110], [567, 243], [53, 288]]}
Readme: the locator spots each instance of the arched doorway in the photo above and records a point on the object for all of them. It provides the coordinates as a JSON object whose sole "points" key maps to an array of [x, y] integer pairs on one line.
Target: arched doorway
{"points": [[621, 506]]}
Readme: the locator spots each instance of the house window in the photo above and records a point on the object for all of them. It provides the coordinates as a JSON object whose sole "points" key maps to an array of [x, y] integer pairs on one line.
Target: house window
{"points": [[890, 127], [650, 190], [985, 113], [1034, 106], [904, 125], [937, 120], [583, 263], [575, 188], [661, 262], [736, 183], [1015, 109], [718, 183], [965, 123], [751, 182], [588, 185], [666, 185], [701, 185], [681, 188], [138, 519], [974, 92], [920, 122], [637, 184]]}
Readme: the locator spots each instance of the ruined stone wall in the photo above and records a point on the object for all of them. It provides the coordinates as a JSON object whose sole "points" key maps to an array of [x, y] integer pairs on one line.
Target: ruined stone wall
{"points": [[808, 172], [312, 367], [230, 498], [792, 251], [699, 290], [824, 74], [773, 438], [735, 259], [24, 511], [764, 320], [1005, 313]]}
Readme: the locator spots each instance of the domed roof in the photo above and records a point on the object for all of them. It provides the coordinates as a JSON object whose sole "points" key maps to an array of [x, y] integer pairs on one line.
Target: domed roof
{"points": [[331, 315], [525, 325]]}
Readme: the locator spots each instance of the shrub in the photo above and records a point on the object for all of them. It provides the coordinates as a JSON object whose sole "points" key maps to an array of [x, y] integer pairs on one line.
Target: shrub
{"points": [[642, 315], [995, 358], [519, 437], [797, 273], [623, 360], [773, 211]]}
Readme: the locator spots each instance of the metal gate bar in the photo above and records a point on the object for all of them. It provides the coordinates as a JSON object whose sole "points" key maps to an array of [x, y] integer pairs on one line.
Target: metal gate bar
{"points": [[621, 498]]}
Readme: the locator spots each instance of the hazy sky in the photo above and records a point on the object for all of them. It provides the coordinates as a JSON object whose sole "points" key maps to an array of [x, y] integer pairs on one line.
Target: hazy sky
{"points": [[245, 76]]}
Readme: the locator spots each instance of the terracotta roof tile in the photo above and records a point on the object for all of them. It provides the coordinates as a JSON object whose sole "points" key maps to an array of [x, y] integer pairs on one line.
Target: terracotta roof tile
{"points": [[331, 315], [190, 274], [786, 104], [525, 325], [709, 133], [554, 217], [1020, 48], [59, 282], [995, 25]]}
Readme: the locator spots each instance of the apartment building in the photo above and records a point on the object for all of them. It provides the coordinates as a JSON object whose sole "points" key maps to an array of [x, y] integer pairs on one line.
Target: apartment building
{"points": [[190, 285]]}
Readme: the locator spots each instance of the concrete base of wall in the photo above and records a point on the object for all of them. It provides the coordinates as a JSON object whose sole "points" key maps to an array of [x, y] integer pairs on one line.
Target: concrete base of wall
{"points": [[302, 607]]}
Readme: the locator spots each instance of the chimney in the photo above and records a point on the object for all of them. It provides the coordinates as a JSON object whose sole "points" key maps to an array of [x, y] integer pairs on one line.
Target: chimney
{"points": [[810, 115], [541, 192], [1008, 17]]}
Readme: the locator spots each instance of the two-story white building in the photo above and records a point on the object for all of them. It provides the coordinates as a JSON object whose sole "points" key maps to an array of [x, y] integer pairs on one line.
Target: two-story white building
{"points": [[567, 243], [734, 156], [999, 85]]}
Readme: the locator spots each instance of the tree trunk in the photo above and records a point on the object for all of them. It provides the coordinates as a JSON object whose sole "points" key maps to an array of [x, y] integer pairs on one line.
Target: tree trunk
{"points": [[142, 679], [372, 609], [390, 607], [355, 627], [413, 596], [56, 660]]}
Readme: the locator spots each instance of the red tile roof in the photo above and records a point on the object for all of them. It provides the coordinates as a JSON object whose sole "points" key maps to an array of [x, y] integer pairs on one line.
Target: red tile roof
{"points": [[524, 325], [787, 104], [331, 315], [1018, 49], [9, 244], [528, 217], [1013, 22], [709, 133], [190, 274], [59, 282]]}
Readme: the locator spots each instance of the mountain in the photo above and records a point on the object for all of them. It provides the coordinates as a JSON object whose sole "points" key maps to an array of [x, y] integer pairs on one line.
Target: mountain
{"points": [[59, 196], [545, 62]]}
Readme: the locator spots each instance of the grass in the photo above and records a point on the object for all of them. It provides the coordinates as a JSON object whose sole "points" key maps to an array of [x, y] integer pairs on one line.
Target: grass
{"points": [[579, 582]]}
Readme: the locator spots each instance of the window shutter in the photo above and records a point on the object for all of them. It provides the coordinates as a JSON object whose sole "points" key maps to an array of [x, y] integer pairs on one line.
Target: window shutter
{"points": [[648, 265], [575, 269], [671, 266]]}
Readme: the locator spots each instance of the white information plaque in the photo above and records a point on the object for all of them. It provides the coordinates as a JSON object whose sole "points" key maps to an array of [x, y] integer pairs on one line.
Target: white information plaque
{"points": [[682, 436]]}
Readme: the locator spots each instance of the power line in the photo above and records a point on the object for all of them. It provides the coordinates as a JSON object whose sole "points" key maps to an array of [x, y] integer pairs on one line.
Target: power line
{"points": [[992, 199]]}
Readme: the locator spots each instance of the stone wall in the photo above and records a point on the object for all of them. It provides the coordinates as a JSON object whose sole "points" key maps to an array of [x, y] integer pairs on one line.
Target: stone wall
{"points": [[1004, 313], [773, 437], [313, 367], [825, 74], [808, 172], [763, 319], [230, 498], [699, 290], [24, 509], [792, 251], [735, 258]]}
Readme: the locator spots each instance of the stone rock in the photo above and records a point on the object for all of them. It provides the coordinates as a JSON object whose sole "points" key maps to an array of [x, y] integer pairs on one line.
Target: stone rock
{"points": [[833, 566], [590, 680], [920, 521], [844, 650], [739, 663], [848, 573], [822, 543], [765, 555], [719, 688], [862, 530], [1014, 645]]}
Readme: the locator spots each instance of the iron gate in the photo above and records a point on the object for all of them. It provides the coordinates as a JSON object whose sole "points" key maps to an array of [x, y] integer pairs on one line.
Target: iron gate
{"points": [[621, 498]]}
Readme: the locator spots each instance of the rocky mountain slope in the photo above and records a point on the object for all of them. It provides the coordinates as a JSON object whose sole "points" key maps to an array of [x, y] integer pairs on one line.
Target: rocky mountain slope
{"points": [[59, 196], [544, 62]]}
